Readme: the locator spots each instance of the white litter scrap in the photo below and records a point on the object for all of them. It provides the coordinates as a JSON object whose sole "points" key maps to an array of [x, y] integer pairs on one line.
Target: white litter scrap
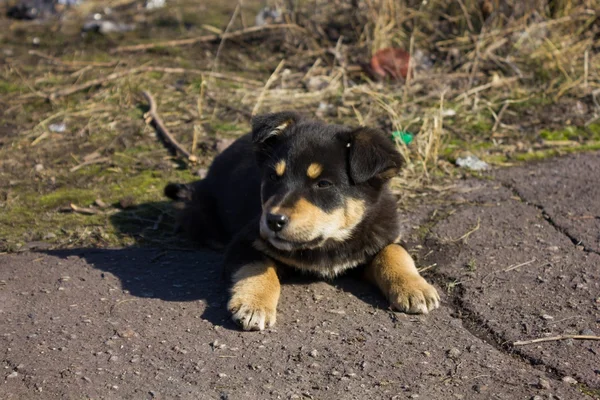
{"points": [[473, 163], [58, 128], [268, 16], [155, 4]]}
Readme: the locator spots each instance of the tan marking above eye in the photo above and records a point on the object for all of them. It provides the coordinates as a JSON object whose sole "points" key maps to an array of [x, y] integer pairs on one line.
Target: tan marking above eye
{"points": [[280, 167], [314, 170]]}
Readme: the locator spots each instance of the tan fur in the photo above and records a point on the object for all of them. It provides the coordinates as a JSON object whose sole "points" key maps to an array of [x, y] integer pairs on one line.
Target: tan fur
{"points": [[280, 167], [354, 212], [314, 170], [307, 221], [282, 127], [394, 271], [254, 296]]}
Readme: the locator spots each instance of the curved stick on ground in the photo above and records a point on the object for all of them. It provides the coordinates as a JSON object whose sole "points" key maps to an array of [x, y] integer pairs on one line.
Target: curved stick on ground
{"points": [[555, 338], [152, 117]]}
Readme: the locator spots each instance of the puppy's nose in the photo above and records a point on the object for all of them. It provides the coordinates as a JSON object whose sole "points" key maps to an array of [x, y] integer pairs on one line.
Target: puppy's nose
{"points": [[276, 222]]}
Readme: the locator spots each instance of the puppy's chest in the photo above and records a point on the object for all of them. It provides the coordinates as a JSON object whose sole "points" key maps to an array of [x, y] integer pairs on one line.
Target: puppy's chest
{"points": [[328, 271], [322, 264]]}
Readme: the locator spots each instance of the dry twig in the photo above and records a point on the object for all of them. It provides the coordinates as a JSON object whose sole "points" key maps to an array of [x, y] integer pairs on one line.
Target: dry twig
{"points": [[204, 39], [555, 338], [116, 75], [72, 63], [90, 162], [94, 82], [152, 116], [471, 231], [266, 87], [518, 265], [84, 210]]}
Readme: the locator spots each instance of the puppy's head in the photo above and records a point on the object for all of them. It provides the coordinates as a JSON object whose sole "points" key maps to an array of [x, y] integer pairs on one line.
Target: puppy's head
{"points": [[318, 180]]}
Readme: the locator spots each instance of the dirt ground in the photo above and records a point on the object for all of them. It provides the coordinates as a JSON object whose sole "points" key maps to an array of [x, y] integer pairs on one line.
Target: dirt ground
{"points": [[144, 323]]}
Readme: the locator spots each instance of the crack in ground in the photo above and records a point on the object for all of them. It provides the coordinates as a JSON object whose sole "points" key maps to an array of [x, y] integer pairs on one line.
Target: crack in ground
{"points": [[549, 219], [477, 326]]}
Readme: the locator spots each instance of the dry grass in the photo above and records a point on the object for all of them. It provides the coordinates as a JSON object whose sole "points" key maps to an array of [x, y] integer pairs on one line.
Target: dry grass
{"points": [[489, 77]]}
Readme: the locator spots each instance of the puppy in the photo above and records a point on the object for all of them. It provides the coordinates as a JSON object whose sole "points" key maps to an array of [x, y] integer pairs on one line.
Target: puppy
{"points": [[300, 194]]}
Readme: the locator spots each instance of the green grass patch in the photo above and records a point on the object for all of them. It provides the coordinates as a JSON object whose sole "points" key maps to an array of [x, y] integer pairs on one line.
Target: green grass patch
{"points": [[9, 87], [592, 132]]}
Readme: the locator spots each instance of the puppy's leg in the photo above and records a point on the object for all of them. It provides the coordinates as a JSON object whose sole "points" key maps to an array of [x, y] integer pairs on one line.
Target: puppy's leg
{"points": [[394, 271], [254, 295]]}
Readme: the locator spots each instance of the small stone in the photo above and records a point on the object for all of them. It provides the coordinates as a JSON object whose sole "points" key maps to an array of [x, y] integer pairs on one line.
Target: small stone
{"points": [[569, 380], [38, 167], [543, 384], [414, 396], [547, 317], [537, 398], [314, 353], [454, 353], [127, 333], [480, 388], [114, 387], [13, 374], [127, 202], [222, 375], [113, 358], [427, 354], [180, 350], [85, 378], [587, 332], [201, 173]]}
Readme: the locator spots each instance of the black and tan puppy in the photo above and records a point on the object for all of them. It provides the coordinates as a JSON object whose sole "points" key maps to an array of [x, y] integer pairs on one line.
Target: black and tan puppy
{"points": [[301, 194]]}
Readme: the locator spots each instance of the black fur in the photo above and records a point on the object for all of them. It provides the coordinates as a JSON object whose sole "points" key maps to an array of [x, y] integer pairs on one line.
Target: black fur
{"points": [[225, 207]]}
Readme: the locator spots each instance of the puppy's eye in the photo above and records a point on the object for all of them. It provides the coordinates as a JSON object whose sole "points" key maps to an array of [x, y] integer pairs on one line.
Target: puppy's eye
{"points": [[323, 184], [273, 176]]}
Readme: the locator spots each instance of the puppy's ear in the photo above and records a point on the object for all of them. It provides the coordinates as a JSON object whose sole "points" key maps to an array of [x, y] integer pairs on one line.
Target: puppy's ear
{"points": [[372, 156], [267, 128]]}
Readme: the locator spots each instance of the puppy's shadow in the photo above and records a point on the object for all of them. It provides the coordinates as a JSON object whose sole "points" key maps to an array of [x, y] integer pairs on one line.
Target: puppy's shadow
{"points": [[161, 264], [164, 265]]}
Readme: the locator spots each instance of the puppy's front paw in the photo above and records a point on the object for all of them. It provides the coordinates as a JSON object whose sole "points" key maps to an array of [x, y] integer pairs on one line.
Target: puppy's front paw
{"points": [[413, 295], [251, 314], [254, 296]]}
